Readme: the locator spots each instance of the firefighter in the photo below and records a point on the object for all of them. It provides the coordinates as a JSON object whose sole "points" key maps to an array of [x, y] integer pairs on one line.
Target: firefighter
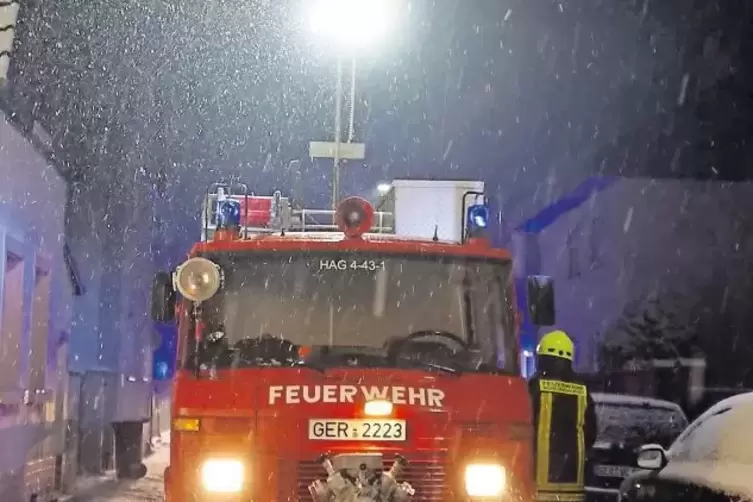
{"points": [[564, 421]]}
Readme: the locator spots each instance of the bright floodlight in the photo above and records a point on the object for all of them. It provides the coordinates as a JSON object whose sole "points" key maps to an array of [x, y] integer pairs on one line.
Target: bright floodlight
{"points": [[352, 24], [384, 188]]}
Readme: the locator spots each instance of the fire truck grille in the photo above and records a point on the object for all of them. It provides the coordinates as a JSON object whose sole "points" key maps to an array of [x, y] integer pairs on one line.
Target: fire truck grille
{"points": [[426, 475]]}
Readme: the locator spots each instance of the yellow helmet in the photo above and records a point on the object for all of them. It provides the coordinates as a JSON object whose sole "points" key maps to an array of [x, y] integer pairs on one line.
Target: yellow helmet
{"points": [[556, 344]]}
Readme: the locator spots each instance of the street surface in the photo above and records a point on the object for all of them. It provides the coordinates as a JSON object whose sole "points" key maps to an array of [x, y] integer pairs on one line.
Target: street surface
{"points": [[107, 489]]}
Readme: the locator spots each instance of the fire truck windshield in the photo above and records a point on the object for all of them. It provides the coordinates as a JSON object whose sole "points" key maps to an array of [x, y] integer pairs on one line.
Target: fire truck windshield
{"points": [[368, 310]]}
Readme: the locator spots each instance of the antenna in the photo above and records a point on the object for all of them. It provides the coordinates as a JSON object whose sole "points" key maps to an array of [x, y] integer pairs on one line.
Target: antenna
{"points": [[436, 233]]}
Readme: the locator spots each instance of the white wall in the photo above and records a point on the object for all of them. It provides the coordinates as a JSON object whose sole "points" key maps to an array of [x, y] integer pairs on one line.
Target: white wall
{"points": [[32, 207], [648, 236]]}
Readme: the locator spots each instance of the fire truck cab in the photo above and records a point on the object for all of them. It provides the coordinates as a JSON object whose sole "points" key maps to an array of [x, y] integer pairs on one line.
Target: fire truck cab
{"points": [[325, 357]]}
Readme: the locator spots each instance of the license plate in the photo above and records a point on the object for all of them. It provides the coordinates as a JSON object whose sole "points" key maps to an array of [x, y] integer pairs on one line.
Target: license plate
{"points": [[613, 471], [356, 430]]}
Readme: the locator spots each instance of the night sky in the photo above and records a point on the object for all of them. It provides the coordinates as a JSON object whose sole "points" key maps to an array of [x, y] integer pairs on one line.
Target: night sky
{"points": [[522, 94], [507, 91]]}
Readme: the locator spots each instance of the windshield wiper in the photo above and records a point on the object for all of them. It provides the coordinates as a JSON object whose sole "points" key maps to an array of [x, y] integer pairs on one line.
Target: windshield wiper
{"points": [[310, 365], [271, 362], [449, 370]]}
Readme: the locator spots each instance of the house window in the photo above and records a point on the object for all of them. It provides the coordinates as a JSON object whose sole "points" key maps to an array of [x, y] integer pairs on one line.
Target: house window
{"points": [[73, 271], [40, 327], [573, 264], [11, 329], [594, 242]]}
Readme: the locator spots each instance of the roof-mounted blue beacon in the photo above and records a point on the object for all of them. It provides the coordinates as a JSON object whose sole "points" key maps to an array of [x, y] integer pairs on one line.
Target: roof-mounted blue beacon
{"points": [[229, 215], [477, 218]]}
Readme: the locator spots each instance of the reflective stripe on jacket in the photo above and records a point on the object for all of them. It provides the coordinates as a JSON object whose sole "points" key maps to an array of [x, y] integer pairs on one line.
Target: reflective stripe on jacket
{"points": [[565, 423]]}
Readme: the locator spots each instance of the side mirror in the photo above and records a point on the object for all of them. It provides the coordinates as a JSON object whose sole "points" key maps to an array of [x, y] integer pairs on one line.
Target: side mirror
{"points": [[652, 457], [163, 298], [541, 300]]}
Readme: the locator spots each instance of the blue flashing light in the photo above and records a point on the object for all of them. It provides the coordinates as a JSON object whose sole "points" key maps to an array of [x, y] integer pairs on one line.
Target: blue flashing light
{"points": [[477, 217], [229, 214], [164, 356], [161, 370]]}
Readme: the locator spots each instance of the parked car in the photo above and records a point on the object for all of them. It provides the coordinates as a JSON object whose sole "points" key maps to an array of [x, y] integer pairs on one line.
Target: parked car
{"points": [[625, 424], [711, 461]]}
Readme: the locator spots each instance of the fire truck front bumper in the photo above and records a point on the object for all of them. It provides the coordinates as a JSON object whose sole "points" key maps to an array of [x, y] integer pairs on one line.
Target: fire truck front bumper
{"points": [[423, 476], [412, 476]]}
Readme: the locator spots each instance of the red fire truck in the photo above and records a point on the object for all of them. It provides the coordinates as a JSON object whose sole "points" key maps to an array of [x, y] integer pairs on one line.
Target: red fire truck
{"points": [[323, 356]]}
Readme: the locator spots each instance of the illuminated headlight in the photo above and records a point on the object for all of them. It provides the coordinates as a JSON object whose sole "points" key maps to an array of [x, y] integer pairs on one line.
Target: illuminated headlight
{"points": [[222, 476], [485, 480], [377, 408]]}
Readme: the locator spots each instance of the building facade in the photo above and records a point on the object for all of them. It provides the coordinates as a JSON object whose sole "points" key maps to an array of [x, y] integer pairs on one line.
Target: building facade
{"points": [[36, 297], [629, 251], [105, 212]]}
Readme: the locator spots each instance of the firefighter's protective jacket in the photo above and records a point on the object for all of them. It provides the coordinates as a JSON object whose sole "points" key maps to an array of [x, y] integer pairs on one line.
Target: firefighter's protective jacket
{"points": [[565, 430]]}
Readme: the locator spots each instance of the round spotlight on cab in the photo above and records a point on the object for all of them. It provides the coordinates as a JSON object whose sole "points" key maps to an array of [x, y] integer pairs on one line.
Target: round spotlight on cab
{"points": [[354, 216], [197, 279]]}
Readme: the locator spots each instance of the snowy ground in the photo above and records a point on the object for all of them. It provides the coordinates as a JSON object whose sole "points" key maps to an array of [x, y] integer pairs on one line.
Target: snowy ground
{"points": [[108, 489]]}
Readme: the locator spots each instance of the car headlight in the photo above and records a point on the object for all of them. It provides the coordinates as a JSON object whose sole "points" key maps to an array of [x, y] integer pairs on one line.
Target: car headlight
{"points": [[222, 475], [485, 480]]}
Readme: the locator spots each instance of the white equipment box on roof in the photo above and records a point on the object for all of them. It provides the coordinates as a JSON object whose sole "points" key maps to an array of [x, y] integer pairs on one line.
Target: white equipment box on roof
{"points": [[424, 208]]}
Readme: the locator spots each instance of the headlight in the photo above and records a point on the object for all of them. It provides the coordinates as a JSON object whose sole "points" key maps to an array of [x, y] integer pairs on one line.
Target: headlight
{"points": [[197, 279], [485, 480], [222, 475], [378, 408]]}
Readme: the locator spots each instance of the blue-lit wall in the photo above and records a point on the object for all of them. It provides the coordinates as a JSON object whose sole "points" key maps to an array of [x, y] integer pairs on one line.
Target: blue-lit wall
{"points": [[613, 243], [32, 203], [528, 251]]}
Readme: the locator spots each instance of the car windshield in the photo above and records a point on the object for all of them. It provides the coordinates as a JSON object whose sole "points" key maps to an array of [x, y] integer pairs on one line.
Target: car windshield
{"points": [[357, 310], [635, 424], [702, 438]]}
